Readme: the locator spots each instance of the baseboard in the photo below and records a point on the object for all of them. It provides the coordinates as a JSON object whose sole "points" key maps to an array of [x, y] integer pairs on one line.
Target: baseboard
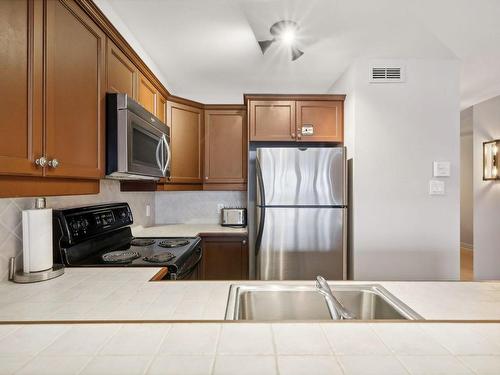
{"points": [[467, 246]]}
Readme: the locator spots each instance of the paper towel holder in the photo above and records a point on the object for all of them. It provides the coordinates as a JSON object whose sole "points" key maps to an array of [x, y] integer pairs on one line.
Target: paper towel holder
{"points": [[33, 277]]}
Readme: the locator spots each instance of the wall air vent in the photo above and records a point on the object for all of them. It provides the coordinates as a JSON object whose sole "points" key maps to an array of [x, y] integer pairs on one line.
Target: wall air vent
{"points": [[385, 74]]}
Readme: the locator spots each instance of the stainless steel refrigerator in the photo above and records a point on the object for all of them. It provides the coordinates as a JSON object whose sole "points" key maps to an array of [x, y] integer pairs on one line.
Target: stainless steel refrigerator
{"points": [[299, 219]]}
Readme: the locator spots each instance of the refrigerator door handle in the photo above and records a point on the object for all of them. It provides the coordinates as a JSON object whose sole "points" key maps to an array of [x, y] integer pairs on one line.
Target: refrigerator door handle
{"points": [[261, 201], [261, 218], [261, 196]]}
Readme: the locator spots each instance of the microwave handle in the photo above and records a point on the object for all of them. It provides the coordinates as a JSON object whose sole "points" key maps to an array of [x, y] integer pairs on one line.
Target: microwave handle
{"points": [[168, 155], [158, 153]]}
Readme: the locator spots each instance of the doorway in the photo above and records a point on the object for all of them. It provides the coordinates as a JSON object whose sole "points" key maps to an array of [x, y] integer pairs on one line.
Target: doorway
{"points": [[466, 196]]}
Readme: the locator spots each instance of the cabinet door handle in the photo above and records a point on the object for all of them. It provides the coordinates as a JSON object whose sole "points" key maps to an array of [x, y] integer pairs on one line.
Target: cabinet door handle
{"points": [[41, 162], [54, 163], [244, 242]]}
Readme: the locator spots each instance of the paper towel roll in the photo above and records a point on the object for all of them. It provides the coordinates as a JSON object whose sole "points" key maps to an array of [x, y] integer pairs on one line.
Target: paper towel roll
{"points": [[37, 240]]}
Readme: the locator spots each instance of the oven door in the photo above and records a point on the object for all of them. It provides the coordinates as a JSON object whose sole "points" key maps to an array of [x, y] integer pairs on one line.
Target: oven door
{"points": [[148, 150]]}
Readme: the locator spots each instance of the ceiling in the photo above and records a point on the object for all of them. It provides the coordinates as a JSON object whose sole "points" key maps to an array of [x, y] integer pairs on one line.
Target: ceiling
{"points": [[207, 49]]}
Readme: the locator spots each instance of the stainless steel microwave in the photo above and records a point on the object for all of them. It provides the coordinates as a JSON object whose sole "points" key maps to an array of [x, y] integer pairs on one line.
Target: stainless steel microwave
{"points": [[137, 142]]}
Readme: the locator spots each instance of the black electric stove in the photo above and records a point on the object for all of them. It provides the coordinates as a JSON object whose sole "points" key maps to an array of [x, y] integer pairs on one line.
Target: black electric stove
{"points": [[100, 236]]}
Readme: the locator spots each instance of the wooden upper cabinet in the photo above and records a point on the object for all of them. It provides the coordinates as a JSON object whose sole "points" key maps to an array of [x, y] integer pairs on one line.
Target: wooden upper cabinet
{"points": [[186, 136], [161, 108], [325, 118], [147, 94], [301, 118], [121, 73], [272, 120], [225, 146], [75, 91], [20, 87]]}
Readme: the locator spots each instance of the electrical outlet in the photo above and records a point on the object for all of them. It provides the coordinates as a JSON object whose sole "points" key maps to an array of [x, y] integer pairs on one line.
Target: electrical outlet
{"points": [[148, 210]]}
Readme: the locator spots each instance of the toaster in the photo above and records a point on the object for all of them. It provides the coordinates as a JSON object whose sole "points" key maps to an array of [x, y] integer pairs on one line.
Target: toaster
{"points": [[234, 217]]}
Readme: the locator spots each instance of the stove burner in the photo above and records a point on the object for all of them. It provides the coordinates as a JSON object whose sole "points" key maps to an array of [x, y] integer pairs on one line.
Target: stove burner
{"points": [[173, 243], [142, 242], [120, 256], [160, 258]]}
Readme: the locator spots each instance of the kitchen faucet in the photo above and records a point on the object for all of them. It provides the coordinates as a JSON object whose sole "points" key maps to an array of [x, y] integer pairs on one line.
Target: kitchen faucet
{"points": [[338, 311]]}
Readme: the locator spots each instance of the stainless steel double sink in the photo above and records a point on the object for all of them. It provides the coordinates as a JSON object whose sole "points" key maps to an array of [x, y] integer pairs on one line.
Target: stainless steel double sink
{"points": [[305, 302]]}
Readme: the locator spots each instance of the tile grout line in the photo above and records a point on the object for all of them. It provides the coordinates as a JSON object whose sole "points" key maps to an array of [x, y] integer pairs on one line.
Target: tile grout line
{"points": [[460, 360], [85, 365], [36, 355], [335, 357], [275, 348], [219, 333], [106, 342], [387, 346], [334, 353], [392, 352]]}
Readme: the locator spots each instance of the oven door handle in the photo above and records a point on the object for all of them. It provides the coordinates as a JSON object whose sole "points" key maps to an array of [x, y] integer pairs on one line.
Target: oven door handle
{"points": [[158, 153], [190, 270]]}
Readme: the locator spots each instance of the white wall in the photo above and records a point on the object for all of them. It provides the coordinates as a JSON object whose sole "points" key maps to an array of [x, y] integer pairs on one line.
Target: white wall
{"points": [[466, 179], [398, 230], [486, 119]]}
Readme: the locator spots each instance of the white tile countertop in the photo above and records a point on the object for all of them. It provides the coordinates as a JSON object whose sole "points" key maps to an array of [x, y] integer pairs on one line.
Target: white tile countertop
{"points": [[126, 294], [185, 230], [239, 348]]}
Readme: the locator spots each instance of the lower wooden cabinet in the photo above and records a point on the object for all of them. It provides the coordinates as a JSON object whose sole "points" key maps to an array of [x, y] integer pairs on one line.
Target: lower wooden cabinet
{"points": [[224, 258]]}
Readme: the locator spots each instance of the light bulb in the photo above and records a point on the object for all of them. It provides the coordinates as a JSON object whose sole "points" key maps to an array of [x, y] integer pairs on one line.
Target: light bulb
{"points": [[288, 36]]}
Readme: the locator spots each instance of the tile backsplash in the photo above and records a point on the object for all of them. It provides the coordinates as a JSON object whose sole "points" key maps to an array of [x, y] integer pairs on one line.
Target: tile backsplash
{"points": [[195, 207], [11, 208]]}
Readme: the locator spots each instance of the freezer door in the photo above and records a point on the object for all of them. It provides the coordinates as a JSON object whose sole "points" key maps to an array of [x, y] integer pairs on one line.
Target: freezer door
{"points": [[301, 176], [300, 243]]}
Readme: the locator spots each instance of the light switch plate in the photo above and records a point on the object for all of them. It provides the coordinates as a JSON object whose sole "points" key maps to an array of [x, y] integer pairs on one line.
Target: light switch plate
{"points": [[441, 169], [436, 187]]}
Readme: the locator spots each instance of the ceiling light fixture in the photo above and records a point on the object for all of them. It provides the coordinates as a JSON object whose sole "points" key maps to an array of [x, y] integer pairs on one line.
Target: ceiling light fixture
{"points": [[286, 33]]}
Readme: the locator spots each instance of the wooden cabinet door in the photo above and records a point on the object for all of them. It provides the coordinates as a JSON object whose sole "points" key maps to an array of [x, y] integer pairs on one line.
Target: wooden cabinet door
{"points": [[324, 117], [20, 86], [161, 108], [121, 73], [224, 258], [75, 91], [186, 132], [272, 120], [147, 94], [225, 146]]}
